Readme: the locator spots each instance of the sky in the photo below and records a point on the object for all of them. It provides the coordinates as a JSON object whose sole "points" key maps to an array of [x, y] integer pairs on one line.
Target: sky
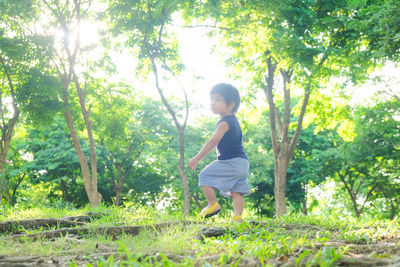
{"points": [[389, 78]]}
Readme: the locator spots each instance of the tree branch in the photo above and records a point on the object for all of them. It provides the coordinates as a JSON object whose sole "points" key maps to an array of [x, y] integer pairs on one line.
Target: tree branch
{"points": [[270, 98], [286, 114]]}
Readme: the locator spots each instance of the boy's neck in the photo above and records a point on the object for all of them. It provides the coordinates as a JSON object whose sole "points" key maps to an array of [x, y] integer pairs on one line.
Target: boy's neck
{"points": [[227, 114]]}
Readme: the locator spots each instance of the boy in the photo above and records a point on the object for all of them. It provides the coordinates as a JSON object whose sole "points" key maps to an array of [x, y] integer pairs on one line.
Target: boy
{"points": [[229, 172]]}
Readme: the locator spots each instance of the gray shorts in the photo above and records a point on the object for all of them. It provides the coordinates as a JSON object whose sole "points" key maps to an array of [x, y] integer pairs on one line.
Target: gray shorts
{"points": [[227, 176]]}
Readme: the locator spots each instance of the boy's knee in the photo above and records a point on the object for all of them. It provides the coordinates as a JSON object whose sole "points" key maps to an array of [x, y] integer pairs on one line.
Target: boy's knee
{"points": [[236, 195]]}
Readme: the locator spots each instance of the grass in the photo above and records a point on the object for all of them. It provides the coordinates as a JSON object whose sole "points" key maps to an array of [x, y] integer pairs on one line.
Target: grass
{"points": [[296, 238], [12, 214]]}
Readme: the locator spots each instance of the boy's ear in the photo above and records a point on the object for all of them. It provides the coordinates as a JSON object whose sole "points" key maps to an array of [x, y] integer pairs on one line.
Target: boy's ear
{"points": [[232, 105]]}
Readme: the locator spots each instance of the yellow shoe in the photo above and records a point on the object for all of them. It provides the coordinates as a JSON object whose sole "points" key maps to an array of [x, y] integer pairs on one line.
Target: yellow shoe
{"points": [[209, 212], [237, 218]]}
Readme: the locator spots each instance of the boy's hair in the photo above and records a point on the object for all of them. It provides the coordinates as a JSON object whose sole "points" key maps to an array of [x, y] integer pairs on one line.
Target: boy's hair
{"points": [[229, 92]]}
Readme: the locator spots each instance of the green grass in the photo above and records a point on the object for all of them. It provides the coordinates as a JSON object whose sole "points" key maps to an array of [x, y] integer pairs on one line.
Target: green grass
{"points": [[295, 237], [12, 214]]}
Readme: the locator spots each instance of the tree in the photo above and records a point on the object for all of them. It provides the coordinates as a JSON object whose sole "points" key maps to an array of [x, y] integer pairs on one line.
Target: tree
{"points": [[54, 159], [365, 166], [68, 16], [377, 23], [122, 143], [144, 25], [305, 170], [14, 172], [386, 199], [132, 123], [305, 42], [26, 87]]}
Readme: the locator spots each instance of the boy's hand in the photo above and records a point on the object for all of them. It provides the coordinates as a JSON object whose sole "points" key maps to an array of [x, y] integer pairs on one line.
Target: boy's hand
{"points": [[193, 163]]}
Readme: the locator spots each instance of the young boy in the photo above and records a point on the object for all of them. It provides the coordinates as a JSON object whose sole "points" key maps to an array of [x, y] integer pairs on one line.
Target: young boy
{"points": [[229, 172]]}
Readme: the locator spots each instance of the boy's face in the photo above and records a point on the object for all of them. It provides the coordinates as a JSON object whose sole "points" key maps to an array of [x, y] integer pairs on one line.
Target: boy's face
{"points": [[219, 106]]}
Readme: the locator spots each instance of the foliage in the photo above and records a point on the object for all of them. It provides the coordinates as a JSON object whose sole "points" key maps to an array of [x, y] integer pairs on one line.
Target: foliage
{"points": [[309, 43], [24, 63], [15, 174], [357, 147], [378, 24], [131, 129], [306, 166], [364, 165], [54, 161]]}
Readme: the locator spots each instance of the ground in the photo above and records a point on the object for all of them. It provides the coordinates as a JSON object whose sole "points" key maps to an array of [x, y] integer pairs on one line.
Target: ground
{"points": [[86, 239]]}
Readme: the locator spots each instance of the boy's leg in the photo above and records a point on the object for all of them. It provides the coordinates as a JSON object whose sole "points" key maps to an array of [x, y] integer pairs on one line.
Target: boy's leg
{"points": [[238, 204], [209, 193]]}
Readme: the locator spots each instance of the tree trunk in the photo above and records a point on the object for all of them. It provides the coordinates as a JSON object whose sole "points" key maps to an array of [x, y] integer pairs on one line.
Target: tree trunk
{"points": [[7, 130], [66, 71], [123, 171], [14, 191], [64, 190], [181, 130], [95, 196], [196, 200], [280, 172], [304, 203], [283, 146], [392, 210], [117, 196], [356, 210], [304, 207], [90, 184], [184, 179]]}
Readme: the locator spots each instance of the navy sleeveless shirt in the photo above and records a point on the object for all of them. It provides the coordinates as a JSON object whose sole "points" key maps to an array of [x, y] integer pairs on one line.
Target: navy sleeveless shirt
{"points": [[231, 145]]}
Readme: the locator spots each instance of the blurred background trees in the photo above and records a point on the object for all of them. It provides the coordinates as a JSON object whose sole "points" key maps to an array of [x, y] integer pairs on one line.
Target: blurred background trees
{"points": [[73, 126]]}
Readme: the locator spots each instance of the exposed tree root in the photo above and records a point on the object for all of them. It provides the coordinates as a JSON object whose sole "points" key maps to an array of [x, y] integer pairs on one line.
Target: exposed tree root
{"points": [[211, 232], [15, 226], [106, 230]]}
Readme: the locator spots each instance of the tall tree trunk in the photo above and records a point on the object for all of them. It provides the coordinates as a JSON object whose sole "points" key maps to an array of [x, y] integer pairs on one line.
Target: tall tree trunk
{"points": [[283, 146], [181, 131], [153, 53], [280, 172], [93, 194], [7, 130], [90, 184], [66, 70], [184, 179]]}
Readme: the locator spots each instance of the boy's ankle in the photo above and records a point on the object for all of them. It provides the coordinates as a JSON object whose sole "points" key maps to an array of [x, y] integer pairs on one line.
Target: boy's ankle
{"points": [[210, 204], [237, 218]]}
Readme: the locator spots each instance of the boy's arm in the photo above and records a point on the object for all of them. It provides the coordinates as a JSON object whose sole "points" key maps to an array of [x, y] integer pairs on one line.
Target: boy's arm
{"points": [[221, 129]]}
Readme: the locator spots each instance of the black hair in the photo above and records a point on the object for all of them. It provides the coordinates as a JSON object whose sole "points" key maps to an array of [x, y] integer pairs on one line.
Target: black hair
{"points": [[229, 92]]}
